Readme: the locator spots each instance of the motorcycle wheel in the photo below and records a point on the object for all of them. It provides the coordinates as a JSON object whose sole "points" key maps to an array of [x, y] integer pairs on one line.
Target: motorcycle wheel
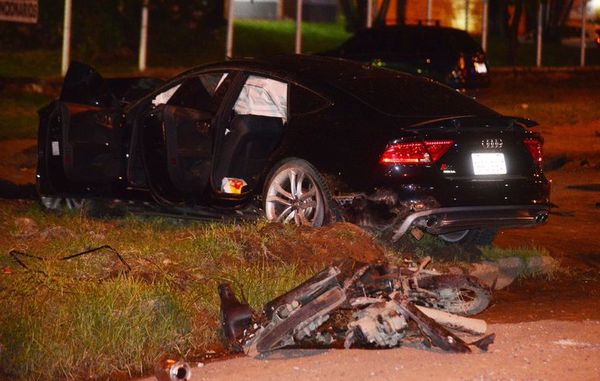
{"points": [[458, 294]]}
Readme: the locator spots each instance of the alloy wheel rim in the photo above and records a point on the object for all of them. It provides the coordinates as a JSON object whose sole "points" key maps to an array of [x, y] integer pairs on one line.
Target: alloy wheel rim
{"points": [[293, 197]]}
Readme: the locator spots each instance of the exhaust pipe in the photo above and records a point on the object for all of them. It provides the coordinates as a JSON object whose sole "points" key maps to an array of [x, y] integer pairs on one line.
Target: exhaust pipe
{"points": [[541, 217], [171, 370], [431, 221]]}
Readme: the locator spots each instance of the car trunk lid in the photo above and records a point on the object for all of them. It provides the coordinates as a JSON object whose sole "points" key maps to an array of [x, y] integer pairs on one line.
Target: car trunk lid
{"points": [[485, 149]]}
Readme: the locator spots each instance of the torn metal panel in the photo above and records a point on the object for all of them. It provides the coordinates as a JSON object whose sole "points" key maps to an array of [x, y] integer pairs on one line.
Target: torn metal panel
{"points": [[235, 317], [380, 324], [362, 305]]}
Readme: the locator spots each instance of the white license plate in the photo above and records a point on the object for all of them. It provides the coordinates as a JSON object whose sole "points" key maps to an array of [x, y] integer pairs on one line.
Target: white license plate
{"points": [[480, 67], [488, 163], [55, 149]]}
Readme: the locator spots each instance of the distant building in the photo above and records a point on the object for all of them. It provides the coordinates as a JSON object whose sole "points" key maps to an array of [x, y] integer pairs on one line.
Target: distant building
{"points": [[445, 12], [257, 9]]}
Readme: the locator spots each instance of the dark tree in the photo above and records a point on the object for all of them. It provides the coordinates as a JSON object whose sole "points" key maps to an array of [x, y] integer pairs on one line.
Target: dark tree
{"points": [[513, 31], [355, 13], [506, 15], [401, 12]]}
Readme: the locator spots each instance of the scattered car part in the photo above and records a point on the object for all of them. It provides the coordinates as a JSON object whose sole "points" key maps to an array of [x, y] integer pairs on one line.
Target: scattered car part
{"points": [[381, 324], [235, 317], [172, 370], [360, 305], [19, 257]]}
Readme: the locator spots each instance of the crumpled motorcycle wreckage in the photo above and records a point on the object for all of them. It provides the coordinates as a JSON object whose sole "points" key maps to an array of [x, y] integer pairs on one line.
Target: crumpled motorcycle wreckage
{"points": [[362, 305]]}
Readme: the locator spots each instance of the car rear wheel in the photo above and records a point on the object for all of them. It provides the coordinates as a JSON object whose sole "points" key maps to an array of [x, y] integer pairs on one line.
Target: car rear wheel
{"points": [[296, 193], [479, 237]]}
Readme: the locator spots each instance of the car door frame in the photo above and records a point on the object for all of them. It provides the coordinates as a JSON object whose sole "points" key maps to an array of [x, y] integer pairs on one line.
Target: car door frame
{"points": [[85, 94], [137, 146]]}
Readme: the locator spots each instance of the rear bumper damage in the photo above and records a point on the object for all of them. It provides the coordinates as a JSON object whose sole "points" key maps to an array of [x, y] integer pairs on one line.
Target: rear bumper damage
{"points": [[446, 220], [385, 211]]}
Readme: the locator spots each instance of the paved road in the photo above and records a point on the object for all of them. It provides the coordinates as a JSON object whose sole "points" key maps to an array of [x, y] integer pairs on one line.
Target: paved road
{"points": [[540, 350]]}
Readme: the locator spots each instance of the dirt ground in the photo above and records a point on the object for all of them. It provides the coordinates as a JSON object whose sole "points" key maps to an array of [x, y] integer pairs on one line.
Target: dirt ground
{"points": [[541, 350], [546, 328]]}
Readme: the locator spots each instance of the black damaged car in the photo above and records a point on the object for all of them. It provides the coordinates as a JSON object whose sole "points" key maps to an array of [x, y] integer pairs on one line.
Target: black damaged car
{"points": [[298, 139]]}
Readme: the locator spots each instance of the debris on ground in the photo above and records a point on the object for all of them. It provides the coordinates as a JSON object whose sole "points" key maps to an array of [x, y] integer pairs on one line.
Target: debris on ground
{"points": [[172, 370], [113, 262], [353, 304], [25, 227]]}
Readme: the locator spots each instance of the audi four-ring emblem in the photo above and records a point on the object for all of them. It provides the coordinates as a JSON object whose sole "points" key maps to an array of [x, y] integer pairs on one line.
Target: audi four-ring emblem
{"points": [[492, 143]]}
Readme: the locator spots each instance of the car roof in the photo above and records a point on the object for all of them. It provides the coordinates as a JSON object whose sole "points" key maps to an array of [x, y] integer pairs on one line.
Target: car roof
{"points": [[379, 88], [415, 37], [292, 66]]}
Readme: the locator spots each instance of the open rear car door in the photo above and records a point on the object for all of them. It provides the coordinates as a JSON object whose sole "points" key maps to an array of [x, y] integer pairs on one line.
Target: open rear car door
{"points": [[80, 136]]}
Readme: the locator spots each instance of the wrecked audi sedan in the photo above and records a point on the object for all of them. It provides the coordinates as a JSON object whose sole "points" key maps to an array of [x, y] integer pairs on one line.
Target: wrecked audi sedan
{"points": [[298, 139]]}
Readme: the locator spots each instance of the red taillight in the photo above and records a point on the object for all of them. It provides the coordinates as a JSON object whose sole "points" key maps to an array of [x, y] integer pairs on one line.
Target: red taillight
{"points": [[534, 146], [426, 152]]}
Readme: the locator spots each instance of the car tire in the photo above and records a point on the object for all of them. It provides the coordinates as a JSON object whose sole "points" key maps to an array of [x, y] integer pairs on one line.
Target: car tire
{"points": [[479, 237], [295, 192]]}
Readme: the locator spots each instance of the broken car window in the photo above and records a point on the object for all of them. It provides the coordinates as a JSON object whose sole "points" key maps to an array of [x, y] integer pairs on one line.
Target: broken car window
{"points": [[264, 97], [212, 81], [195, 92], [164, 97]]}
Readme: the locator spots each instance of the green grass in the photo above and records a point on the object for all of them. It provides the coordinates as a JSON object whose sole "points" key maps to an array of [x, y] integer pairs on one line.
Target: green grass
{"points": [[31, 64], [494, 253], [85, 318], [18, 114], [265, 38]]}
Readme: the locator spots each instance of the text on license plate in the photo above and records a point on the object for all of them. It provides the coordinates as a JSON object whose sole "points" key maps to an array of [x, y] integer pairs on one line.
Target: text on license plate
{"points": [[488, 163]]}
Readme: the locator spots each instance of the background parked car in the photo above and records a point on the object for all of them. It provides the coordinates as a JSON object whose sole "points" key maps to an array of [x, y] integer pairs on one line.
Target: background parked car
{"points": [[448, 55], [571, 36]]}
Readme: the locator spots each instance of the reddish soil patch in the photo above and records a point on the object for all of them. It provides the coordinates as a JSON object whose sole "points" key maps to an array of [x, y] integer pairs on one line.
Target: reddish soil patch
{"points": [[17, 161], [316, 247], [572, 299]]}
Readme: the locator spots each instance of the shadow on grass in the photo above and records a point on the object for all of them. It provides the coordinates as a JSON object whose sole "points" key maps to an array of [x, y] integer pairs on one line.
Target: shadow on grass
{"points": [[10, 190]]}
